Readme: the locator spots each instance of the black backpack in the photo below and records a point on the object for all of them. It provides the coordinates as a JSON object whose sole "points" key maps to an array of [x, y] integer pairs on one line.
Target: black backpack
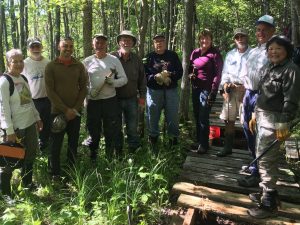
{"points": [[11, 82]]}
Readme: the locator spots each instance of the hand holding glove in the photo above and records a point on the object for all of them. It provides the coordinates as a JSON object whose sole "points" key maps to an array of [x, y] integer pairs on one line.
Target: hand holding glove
{"points": [[109, 80], [166, 77], [282, 131], [159, 78], [252, 124]]}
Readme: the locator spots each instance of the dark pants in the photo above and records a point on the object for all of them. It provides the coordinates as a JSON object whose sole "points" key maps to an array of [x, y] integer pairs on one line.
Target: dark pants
{"points": [[249, 103], [104, 113], [56, 139], [201, 113], [43, 106]]}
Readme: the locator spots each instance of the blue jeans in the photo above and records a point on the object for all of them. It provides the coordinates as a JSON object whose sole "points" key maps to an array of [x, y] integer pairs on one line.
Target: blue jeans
{"points": [[56, 141], [157, 100], [129, 107], [249, 103], [201, 113]]}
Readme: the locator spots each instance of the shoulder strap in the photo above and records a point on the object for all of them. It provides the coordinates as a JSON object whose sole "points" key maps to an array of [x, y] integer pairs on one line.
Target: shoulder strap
{"points": [[25, 78], [11, 84]]}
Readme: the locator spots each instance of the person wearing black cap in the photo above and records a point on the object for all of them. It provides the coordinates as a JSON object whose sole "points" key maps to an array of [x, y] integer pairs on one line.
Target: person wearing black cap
{"points": [[232, 86], [131, 95], [163, 69], [66, 86], [276, 107], [105, 74], [34, 70], [265, 28]]}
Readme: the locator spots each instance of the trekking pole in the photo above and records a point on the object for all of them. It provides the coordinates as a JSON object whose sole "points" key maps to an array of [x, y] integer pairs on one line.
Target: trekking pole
{"points": [[269, 147]]}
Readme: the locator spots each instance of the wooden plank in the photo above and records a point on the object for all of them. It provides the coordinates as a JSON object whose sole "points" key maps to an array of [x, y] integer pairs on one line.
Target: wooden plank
{"points": [[190, 217], [222, 182], [235, 213], [288, 210]]}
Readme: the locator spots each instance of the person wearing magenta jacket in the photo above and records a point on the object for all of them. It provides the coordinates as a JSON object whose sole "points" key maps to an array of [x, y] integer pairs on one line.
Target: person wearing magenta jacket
{"points": [[206, 66]]}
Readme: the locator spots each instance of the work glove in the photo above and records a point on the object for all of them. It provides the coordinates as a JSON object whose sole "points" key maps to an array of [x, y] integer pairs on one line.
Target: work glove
{"points": [[166, 77], [109, 80], [252, 125], [159, 78], [211, 98], [282, 131]]}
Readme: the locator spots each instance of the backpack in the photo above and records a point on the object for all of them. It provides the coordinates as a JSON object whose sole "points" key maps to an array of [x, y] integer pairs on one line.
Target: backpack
{"points": [[11, 82]]}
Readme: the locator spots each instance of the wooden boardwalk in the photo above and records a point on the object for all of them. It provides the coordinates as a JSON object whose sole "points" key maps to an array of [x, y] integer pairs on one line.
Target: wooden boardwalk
{"points": [[209, 183]]}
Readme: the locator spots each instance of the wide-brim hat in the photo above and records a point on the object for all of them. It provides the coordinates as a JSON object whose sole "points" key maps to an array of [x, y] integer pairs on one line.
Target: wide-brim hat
{"points": [[127, 33], [241, 31], [266, 19]]}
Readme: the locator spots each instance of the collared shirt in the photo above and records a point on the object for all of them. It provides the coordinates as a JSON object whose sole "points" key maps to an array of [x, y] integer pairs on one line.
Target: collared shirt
{"points": [[134, 70], [256, 60], [233, 65]]}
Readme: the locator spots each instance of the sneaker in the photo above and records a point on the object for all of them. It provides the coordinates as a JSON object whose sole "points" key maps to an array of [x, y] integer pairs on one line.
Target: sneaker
{"points": [[262, 212], [249, 181], [247, 169], [201, 150], [86, 142]]}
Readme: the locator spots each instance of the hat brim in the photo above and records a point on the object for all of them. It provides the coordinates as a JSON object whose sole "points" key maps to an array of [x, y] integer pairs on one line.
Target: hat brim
{"points": [[263, 22], [35, 42], [126, 35], [240, 34]]}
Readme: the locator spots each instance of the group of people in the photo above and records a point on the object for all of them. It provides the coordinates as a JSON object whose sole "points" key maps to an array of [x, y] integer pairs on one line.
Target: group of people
{"points": [[114, 85], [260, 85], [50, 95]]}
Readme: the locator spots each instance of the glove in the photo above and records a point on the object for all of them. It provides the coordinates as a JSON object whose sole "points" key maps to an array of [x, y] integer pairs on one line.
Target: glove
{"points": [[252, 125], [211, 98], [167, 81], [282, 131], [109, 80], [159, 78]]}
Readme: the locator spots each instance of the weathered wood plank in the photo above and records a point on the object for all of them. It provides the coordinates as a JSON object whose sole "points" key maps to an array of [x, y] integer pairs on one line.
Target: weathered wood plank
{"points": [[190, 217], [232, 212], [286, 210]]}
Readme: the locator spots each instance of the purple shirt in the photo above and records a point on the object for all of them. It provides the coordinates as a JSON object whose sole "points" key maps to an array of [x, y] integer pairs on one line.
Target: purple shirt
{"points": [[207, 68]]}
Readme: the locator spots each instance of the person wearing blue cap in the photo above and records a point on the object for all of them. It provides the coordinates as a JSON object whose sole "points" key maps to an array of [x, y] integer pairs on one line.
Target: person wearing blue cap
{"points": [[265, 28]]}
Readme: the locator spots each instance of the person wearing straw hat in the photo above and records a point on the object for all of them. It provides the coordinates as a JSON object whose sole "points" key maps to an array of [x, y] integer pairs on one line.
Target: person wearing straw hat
{"points": [[132, 95], [232, 87]]}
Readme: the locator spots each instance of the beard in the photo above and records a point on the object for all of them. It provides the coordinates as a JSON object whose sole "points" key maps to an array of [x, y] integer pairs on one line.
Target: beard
{"points": [[241, 46], [125, 49]]}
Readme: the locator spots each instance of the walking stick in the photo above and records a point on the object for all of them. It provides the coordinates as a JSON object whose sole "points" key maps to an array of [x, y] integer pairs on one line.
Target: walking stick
{"points": [[269, 147]]}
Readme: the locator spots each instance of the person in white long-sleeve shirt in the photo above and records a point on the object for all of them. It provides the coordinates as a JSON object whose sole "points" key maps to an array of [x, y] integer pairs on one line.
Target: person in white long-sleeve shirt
{"points": [[105, 73], [265, 28], [232, 86], [18, 118]]}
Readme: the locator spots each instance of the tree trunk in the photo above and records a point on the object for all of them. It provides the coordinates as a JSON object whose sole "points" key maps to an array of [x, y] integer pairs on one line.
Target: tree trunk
{"points": [[295, 12], [66, 22], [143, 23], [2, 63], [167, 22], [121, 15], [14, 26], [104, 18], [7, 47], [50, 37], [57, 29], [87, 28], [187, 49], [23, 38]]}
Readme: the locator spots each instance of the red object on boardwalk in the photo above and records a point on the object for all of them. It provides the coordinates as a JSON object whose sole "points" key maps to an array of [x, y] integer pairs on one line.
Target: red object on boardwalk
{"points": [[214, 132]]}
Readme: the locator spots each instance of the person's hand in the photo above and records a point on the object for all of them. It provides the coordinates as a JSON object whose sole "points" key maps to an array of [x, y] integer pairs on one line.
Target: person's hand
{"points": [[192, 76], [11, 138], [282, 131], [252, 124], [211, 98], [70, 114], [109, 80], [39, 125], [159, 78]]}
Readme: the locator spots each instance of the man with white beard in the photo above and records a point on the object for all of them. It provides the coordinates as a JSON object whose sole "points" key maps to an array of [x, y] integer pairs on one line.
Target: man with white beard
{"points": [[34, 70], [132, 94], [232, 86]]}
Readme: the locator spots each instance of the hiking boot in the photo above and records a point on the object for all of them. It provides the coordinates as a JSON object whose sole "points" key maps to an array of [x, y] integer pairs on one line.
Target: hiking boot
{"points": [[255, 197], [268, 206], [201, 150], [154, 144], [249, 181], [227, 150]]}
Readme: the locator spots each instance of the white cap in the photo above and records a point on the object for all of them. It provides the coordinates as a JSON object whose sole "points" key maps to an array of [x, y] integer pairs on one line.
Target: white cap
{"points": [[266, 19]]}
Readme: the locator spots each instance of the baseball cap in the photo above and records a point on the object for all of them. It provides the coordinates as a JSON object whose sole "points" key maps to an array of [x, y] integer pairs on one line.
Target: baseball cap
{"points": [[100, 36], [34, 40], [159, 36], [126, 33], [266, 19], [240, 31]]}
